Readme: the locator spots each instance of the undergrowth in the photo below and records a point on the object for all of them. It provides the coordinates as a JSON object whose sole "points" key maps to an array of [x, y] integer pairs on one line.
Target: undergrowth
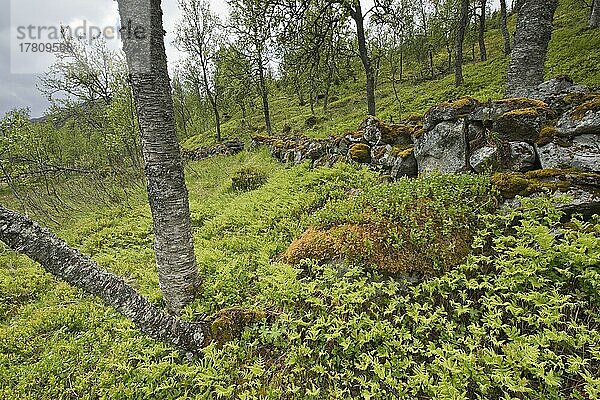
{"points": [[517, 318]]}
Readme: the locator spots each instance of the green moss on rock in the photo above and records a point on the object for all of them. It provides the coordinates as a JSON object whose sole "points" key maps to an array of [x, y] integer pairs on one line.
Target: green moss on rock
{"points": [[361, 153]]}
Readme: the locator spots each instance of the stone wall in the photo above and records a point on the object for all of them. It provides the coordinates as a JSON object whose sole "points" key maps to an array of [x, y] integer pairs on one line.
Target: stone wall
{"points": [[227, 148], [558, 129]]}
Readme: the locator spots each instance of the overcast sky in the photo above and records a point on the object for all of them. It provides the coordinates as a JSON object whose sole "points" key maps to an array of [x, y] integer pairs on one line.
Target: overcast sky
{"points": [[20, 71]]}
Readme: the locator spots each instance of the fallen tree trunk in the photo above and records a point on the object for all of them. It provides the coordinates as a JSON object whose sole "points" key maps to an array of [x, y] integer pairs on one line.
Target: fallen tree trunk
{"points": [[25, 236]]}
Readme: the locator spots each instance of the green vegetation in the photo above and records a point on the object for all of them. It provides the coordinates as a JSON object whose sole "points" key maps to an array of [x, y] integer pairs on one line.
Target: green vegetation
{"points": [[518, 316]]}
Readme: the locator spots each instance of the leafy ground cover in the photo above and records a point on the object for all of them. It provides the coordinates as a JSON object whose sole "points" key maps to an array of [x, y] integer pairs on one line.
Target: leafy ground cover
{"points": [[516, 318]]}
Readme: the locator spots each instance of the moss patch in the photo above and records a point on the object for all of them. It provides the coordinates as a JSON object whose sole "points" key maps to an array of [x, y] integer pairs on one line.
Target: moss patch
{"points": [[361, 153], [592, 105], [544, 180], [462, 103], [522, 102], [229, 323], [369, 244], [547, 135]]}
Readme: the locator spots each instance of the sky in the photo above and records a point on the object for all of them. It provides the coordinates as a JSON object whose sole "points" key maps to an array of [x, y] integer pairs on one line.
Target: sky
{"points": [[20, 71]]}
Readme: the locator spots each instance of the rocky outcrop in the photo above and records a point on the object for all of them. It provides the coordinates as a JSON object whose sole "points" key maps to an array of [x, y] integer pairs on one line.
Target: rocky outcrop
{"points": [[558, 128]]}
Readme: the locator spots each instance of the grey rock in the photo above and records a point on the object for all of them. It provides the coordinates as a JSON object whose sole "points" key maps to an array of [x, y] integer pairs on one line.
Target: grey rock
{"points": [[404, 166], [449, 112], [522, 157], [484, 157], [568, 125], [371, 131], [443, 149], [315, 150], [583, 154]]}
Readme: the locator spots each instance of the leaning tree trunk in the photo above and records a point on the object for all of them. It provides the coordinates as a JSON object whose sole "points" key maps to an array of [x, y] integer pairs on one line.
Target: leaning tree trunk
{"points": [[143, 43], [595, 15], [463, 20], [482, 49], [358, 18], [504, 27], [534, 30], [26, 237]]}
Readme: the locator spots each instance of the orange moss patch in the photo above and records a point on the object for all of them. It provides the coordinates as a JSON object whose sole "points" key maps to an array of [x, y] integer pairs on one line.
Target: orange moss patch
{"points": [[592, 105], [402, 151], [375, 244], [521, 112], [547, 135], [459, 104]]}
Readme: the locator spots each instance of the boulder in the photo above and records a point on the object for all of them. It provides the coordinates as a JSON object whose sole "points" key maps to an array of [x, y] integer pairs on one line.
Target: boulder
{"points": [[523, 125], [443, 149], [315, 150], [449, 111], [511, 156], [582, 153], [404, 165], [582, 187], [582, 119], [492, 110], [376, 132], [554, 91], [485, 158], [521, 157]]}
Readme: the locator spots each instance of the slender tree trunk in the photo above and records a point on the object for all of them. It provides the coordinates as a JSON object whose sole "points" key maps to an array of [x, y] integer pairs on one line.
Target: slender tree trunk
{"points": [[482, 49], [39, 244], [431, 63], [265, 97], [143, 44], [357, 16], [212, 98], [463, 20], [401, 63], [595, 15], [528, 57], [504, 27]]}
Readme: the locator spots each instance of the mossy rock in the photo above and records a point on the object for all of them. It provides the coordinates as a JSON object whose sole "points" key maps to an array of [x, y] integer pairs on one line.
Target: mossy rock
{"points": [[523, 124], [403, 151], [522, 102], [593, 105], [361, 153], [414, 117], [543, 180], [229, 323], [465, 104], [397, 133], [247, 179], [547, 135]]}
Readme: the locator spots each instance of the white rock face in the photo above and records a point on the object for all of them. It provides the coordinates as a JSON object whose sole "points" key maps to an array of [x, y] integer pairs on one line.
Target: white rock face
{"points": [[483, 157], [522, 157], [583, 154], [569, 126], [443, 149]]}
